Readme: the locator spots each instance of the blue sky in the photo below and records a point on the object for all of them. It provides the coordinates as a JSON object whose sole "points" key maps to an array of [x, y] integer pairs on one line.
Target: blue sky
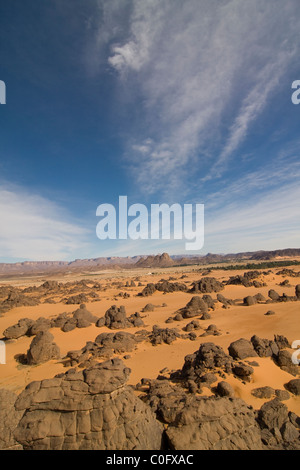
{"points": [[162, 101]]}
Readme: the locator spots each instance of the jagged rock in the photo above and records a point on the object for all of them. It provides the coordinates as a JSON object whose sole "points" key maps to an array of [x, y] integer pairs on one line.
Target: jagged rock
{"points": [[264, 347], [241, 349], [208, 379], [92, 409], [207, 285], [269, 313], [208, 357], [214, 424], [293, 386], [9, 419], [163, 335], [136, 320], [282, 395], [284, 361], [42, 348]]}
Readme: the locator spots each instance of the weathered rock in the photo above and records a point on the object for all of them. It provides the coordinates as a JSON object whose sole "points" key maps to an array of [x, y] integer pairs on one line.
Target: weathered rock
{"points": [[282, 395], [241, 349], [242, 370], [92, 409], [208, 357], [148, 308], [264, 347], [274, 295], [224, 389], [18, 330], [163, 335], [293, 386], [42, 348], [207, 285], [196, 306], [284, 361], [263, 392], [273, 414], [214, 424], [9, 419], [249, 300]]}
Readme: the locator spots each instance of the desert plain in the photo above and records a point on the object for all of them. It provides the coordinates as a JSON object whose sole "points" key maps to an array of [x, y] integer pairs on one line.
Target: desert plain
{"points": [[236, 310]]}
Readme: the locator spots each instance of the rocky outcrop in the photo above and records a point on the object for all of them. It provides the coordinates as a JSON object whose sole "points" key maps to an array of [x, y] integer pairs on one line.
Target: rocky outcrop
{"points": [[207, 285], [91, 409], [115, 318], [163, 286], [9, 419], [42, 349], [195, 307], [202, 423]]}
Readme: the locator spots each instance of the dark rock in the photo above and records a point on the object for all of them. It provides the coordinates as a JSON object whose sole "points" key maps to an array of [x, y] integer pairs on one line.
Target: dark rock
{"points": [[293, 386], [249, 300], [9, 419], [42, 349], [273, 414], [263, 392], [224, 389], [207, 285], [241, 349]]}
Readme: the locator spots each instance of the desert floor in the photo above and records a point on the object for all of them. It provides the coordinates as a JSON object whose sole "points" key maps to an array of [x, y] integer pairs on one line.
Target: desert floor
{"points": [[147, 361]]}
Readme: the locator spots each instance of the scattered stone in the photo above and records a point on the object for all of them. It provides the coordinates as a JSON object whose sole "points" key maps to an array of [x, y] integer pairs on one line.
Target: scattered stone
{"points": [[241, 349], [224, 389], [263, 392]]}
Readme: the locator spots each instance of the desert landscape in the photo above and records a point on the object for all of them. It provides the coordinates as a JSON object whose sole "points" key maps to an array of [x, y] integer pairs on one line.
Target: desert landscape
{"points": [[149, 228], [179, 357]]}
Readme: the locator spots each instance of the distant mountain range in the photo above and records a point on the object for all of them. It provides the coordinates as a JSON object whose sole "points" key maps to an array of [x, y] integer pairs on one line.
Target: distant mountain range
{"points": [[142, 261]]}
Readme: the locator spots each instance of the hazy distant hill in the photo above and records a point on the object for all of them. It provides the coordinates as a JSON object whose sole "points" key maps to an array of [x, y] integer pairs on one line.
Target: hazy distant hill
{"points": [[142, 261]]}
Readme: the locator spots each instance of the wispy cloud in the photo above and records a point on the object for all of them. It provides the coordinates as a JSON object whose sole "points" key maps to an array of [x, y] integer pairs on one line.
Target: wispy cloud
{"points": [[35, 228], [206, 71]]}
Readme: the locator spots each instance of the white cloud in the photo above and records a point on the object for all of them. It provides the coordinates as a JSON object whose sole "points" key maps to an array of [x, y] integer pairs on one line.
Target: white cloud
{"points": [[201, 67], [35, 228]]}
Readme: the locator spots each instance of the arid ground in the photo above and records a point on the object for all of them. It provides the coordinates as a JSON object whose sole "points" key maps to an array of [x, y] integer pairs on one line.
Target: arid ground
{"points": [[147, 360]]}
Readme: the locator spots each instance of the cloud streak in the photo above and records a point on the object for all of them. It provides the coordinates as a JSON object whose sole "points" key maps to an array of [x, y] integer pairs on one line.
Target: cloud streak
{"points": [[36, 228], [206, 71]]}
